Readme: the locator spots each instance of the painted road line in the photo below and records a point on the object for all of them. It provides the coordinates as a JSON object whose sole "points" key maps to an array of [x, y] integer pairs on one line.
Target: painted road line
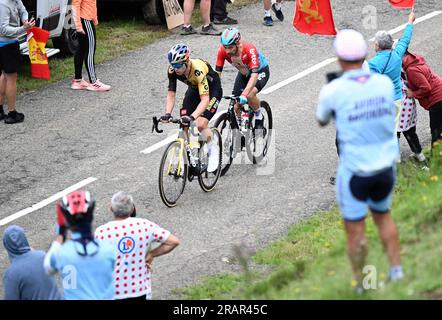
{"points": [[299, 75], [47, 201], [418, 20], [159, 145], [331, 60]]}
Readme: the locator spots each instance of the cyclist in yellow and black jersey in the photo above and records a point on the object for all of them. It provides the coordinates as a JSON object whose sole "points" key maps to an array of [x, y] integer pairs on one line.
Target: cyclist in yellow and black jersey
{"points": [[202, 96]]}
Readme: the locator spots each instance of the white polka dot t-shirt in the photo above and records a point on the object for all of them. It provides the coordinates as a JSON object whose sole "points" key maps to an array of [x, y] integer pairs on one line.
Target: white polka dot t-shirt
{"points": [[132, 238], [408, 112]]}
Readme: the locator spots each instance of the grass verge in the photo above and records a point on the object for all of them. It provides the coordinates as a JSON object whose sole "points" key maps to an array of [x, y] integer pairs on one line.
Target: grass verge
{"points": [[311, 262]]}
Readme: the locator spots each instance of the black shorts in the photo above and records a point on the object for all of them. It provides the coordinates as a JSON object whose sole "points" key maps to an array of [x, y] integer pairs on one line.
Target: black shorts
{"points": [[242, 80], [192, 100], [10, 58]]}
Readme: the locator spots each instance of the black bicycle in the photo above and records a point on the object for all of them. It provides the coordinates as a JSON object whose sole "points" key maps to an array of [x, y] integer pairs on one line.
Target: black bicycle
{"points": [[184, 160], [239, 133]]}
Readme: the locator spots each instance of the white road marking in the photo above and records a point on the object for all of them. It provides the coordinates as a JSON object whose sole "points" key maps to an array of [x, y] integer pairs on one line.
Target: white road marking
{"points": [[418, 20], [158, 145], [300, 75], [47, 201], [331, 60]]}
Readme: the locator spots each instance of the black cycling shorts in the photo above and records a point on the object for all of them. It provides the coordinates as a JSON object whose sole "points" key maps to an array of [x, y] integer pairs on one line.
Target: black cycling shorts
{"points": [[242, 80], [10, 58], [377, 187], [192, 99]]}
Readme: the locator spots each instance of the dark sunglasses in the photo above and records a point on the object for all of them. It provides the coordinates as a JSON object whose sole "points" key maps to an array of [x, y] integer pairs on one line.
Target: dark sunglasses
{"points": [[177, 65]]}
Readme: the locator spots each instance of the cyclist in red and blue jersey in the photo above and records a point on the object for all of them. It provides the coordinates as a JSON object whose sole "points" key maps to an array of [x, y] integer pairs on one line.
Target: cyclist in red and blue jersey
{"points": [[252, 66]]}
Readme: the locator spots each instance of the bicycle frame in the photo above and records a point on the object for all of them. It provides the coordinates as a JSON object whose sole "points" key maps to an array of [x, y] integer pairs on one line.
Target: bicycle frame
{"points": [[184, 141], [232, 115]]}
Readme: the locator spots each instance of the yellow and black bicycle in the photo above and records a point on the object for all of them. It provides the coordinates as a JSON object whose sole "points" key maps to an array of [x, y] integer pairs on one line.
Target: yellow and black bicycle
{"points": [[185, 159]]}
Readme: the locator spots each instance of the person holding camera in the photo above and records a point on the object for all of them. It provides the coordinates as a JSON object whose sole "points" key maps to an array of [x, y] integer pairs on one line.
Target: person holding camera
{"points": [[85, 265], [132, 238], [362, 104]]}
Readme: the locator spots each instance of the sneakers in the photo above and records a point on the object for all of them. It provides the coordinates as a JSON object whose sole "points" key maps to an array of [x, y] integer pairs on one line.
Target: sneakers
{"points": [[226, 20], [213, 158], [278, 13], [419, 157], [396, 274], [210, 30], [98, 86], [268, 21], [79, 84], [2, 113], [187, 30], [14, 117]]}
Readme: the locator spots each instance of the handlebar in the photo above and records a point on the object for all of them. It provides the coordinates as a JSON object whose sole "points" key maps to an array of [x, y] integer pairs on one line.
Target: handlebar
{"points": [[232, 97], [156, 122]]}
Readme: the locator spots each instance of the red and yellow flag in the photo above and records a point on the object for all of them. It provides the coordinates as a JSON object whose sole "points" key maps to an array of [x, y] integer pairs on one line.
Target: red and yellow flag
{"points": [[402, 3], [314, 17], [37, 39]]}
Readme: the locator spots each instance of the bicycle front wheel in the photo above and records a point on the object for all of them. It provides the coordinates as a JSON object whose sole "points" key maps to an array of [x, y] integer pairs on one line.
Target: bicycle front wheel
{"points": [[206, 179], [224, 127], [173, 174], [259, 139]]}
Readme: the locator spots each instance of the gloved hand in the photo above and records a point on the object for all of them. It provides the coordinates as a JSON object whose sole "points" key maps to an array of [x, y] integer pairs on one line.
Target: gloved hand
{"points": [[242, 99], [187, 119], [166, 117], [61, 228]]}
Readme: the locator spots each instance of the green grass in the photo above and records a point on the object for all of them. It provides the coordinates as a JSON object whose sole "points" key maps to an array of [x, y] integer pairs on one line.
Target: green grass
{"points": [[114, 38], [311, 262]]}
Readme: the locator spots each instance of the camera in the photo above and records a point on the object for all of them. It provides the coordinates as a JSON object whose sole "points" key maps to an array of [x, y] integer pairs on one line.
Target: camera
{"points": [[333, 75]]}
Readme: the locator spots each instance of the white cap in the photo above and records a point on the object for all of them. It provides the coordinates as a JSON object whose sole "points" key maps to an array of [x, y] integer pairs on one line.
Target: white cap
{"points": [[350, 45]]}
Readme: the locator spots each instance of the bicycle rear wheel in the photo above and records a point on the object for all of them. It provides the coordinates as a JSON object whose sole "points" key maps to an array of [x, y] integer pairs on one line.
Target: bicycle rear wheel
{"points": [[224, 127], [173, 174], [258, 140], [208, 180]]}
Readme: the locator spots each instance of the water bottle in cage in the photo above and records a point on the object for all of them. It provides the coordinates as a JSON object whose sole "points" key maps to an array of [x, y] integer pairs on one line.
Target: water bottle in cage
{"points": [[194, 152], [244, 120]]}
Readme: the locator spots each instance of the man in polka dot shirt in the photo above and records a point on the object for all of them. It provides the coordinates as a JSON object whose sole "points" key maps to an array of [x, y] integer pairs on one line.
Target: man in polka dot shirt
{"points": [[132, 238]]}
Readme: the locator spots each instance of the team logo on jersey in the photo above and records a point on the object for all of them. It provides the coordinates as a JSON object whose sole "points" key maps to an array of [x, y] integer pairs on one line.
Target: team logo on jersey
{"points": [[197, 73], [126, 245]]}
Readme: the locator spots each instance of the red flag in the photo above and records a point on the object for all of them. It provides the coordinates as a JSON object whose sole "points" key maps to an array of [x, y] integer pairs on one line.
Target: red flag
{"points": [[314, 17], [37, 39], [402, 3]]}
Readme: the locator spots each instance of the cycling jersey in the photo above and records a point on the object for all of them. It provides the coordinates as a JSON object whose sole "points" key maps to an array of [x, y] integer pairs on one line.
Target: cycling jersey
{"points": [[251, 59], [201, 77], [132, 239], [84, 277], [364, 109]]}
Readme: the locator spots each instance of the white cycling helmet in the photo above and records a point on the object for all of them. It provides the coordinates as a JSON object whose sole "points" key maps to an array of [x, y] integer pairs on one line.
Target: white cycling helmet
{"points": [[179, 53]]}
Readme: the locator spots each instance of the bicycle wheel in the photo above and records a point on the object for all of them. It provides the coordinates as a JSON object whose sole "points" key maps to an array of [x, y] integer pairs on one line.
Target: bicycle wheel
{"points": [[258, 140], [208, 180], [173, 174], [224, 127]]}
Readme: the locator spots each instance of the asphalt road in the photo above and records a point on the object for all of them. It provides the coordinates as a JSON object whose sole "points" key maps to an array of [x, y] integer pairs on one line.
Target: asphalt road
{"points": [[69, 136]]}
